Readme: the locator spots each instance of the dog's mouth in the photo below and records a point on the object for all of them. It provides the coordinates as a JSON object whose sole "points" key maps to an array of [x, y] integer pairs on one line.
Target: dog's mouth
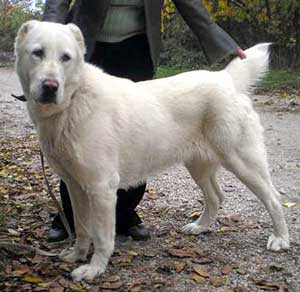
{"points": [[49, 91], [47, 98]]}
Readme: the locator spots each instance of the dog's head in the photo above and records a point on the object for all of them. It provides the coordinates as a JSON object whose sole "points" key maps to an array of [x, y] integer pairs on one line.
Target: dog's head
{"points": [[49, 60]]}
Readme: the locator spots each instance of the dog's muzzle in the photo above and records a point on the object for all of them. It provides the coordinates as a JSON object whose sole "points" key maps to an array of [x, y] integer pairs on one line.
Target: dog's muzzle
{"points": [[49, 91]]}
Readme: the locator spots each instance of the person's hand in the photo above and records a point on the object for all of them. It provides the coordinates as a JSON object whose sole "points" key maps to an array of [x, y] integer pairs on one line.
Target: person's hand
{"points": [[241, 54]]}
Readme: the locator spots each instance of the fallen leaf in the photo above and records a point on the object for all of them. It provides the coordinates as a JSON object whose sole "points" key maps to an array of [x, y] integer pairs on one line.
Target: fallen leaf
{"points": [[181, 253], [111, 285], [76, 287], [224, 229], [37, 259], [198, 279], [33, 279], [159, 284], [149, 254], [122, 261], [250, 225], [173, 233], [94, 289], [137, 286], [3, 191], [289, 204], [152, 194], [218, 281], [201, 271], [13, 232], [22, 270], [132, 253], [8, 269], [114, 278], [40, 232], [203, 260], [64, 283], [179, 266], [195, 215], [65, 267], [267, 285], [43, 285], [240, 289], [56, 289]]}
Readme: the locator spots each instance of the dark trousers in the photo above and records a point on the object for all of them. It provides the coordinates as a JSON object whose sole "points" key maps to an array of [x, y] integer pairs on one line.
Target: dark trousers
{"points": [[128, 59]]}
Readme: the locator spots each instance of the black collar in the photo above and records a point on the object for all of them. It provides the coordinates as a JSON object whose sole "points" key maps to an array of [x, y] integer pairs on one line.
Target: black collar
{"points": [[19, 97]]}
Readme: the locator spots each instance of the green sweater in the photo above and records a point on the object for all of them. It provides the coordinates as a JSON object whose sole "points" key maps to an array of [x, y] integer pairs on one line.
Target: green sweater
{"points": [[125, 18]]}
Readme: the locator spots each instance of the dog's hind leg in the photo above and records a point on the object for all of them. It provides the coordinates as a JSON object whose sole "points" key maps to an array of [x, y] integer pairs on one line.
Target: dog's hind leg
{"points": [[217, 188], [204, 176], [81, 220], [250, 166]]}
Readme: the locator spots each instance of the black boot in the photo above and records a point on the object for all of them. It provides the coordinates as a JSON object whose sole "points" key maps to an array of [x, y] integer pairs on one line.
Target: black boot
{"points": [[139, 232], [128, 221], [58, 232]]}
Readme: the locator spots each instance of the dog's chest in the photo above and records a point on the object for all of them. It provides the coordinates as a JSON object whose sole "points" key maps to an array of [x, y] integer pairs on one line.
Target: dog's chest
{"points": [[58, 148]]}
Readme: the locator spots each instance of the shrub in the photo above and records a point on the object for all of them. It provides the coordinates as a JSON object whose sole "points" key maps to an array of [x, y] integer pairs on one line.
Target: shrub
{"points": [[12, 15], [247, 21]]}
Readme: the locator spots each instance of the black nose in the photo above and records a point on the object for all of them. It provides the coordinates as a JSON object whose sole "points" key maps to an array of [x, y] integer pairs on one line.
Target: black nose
{"points": [[49, 90]]}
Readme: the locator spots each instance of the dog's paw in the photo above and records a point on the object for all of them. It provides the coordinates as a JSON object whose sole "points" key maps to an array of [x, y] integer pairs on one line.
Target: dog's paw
{"points": [[72, 255], [278, 243], [194, 228], [87, 272]]}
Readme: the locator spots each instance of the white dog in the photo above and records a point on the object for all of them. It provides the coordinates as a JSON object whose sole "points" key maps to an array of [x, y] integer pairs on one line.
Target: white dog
{"points": [[101, 133]]}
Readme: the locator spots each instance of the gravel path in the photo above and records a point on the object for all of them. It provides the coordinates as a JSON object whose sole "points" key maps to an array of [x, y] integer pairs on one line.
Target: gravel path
{"points": [[238, 238]]}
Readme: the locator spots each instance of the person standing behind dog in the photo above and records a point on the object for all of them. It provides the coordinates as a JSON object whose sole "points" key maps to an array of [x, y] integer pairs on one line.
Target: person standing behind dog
{"points": [[123, 37]]}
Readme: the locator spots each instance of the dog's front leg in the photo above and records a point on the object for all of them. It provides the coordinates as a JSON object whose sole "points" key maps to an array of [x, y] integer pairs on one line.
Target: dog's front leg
{"points": [[81, 212], [102, 200]]}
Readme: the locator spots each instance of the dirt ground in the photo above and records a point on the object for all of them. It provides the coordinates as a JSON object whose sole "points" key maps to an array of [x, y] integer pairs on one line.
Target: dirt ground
{"points": [[232, 257]]}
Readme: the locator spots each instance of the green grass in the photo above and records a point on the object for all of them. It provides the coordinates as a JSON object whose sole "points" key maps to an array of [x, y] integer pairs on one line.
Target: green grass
{"points": [[281, 79], [165, 71], [274, 80]]}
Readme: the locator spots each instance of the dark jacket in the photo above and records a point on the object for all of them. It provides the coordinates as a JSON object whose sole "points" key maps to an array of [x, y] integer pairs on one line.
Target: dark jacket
{"points": [[89, 15]]}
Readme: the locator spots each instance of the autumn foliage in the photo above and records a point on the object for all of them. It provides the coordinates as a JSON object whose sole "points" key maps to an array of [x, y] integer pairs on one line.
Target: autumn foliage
{"points": [[252, 21]]}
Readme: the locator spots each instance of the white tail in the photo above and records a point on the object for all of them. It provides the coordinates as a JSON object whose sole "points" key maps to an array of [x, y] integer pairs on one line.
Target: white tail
{"points": [[245, 73]]}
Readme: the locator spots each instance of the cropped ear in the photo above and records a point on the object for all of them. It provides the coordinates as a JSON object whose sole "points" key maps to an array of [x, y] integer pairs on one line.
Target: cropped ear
{"points": [[78, 36], [23, 31], [25, 28]]}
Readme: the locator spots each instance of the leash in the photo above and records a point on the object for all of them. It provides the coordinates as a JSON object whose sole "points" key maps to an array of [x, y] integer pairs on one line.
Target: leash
{"points": [[49, 190], [57, 205]]}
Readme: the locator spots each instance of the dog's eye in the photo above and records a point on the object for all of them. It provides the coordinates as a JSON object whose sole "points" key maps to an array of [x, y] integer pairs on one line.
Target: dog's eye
{"points": [[65, 58], [38, 53]]}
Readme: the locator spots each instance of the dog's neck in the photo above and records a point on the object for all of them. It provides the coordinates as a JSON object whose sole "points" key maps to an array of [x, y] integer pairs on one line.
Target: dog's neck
{"points": [[62, 127]]}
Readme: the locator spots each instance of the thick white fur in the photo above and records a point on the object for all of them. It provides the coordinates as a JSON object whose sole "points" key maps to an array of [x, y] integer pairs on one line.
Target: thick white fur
{"points": [[105, 133]]}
